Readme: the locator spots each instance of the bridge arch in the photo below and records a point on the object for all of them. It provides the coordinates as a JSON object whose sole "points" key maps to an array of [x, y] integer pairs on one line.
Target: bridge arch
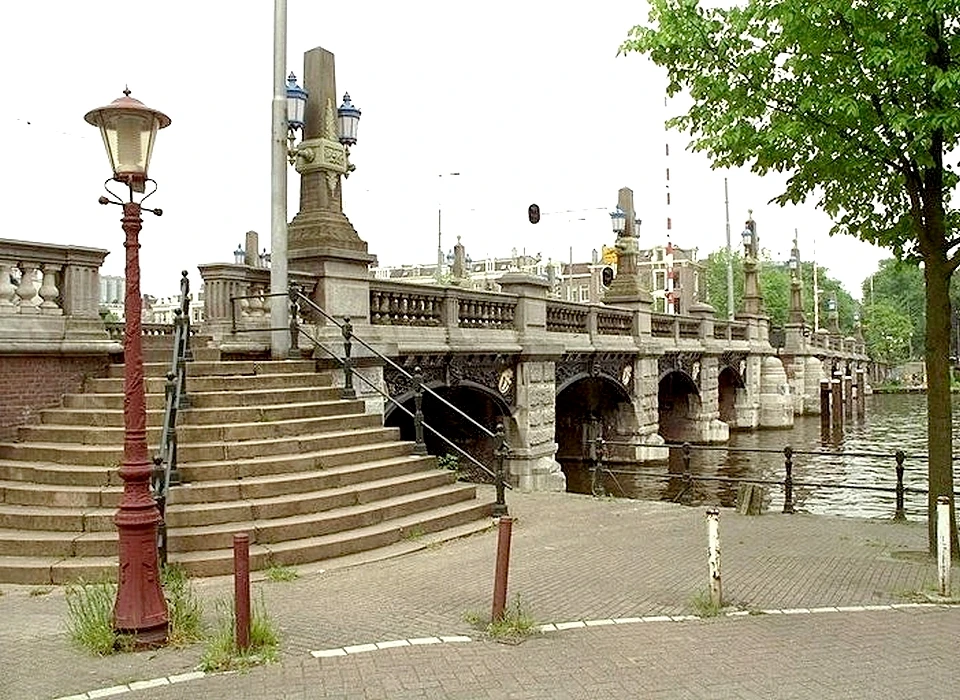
{"points": [[589, 405], [729, 385], [679, 406], [479, 402]]}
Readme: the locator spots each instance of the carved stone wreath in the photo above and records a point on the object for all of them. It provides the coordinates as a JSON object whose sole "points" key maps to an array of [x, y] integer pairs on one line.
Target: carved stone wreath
{"points": [[611, 365], [488, 370], [687, 362]]}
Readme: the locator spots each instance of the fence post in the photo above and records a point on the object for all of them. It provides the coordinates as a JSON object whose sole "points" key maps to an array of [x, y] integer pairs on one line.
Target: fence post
{"points": [[420, 448], [943, 544], [241, 588], [162, 508], [500, 507], [788, 480], [598, 454], [687, 493], [294, 292], [713, 547], [348, 391], [901, 513], [185, 307]]}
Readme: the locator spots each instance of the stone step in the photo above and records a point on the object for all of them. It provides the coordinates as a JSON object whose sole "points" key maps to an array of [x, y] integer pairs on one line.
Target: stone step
{"points": [[239, 382], [396, 536], [32, 493], [217, 399], [293, 462], [189, 435], [299, 527], [39, 543], [53, 474], [222, 368], [282, 484], [191, 454], [60, 519], [194, 515]]}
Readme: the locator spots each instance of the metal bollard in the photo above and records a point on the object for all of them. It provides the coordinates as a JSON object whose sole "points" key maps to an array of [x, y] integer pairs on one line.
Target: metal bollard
{"points": [[241, 588], [420, 448], [503, 568], [348, 391], [943, 544], [500, 507], [901, 514], [713, 546], [788, 480]]}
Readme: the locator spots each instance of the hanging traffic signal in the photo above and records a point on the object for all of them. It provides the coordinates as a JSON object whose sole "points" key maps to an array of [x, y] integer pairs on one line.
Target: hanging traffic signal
{"points": [[606, 276], [533, 213]]}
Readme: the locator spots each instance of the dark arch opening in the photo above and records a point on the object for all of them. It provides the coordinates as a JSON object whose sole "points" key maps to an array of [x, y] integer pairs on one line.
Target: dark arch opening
{"points": [[476, 403], [728, 383], [588, 408], [678, 404]]}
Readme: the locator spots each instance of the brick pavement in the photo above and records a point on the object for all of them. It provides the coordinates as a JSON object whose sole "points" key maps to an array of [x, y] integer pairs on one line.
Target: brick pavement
{"points": [[573, 558]]}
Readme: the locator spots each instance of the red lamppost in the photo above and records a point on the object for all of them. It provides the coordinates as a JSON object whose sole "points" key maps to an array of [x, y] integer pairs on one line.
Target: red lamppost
{"points": [[129, 128]]}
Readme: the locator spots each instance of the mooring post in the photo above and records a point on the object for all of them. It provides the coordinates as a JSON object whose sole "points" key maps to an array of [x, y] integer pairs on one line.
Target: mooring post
{"points": [[901, 513], [836, 413], [420, 448], [943, 544], [687, 493], [788, 479], [503, 568], [861, 393], [848, 395], [597, 449], [713, 547], [824, 409], [241, 588]]}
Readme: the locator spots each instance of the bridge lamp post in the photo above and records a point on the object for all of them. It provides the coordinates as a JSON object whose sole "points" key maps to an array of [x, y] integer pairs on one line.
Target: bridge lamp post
{"points": [[751, 283], [128, 128]]}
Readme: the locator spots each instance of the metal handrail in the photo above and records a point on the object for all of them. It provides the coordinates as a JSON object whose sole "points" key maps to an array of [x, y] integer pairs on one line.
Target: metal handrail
{"points": [[166, 473], [297, 297]]}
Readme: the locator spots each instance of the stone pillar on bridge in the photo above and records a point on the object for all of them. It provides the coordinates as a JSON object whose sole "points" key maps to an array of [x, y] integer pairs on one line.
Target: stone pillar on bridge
{"points": [[321, 240], [627, 290], [532, 465]]}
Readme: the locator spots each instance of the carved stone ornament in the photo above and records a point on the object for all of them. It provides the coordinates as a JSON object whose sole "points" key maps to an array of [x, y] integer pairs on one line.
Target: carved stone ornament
{"points": [[626, 374], [687, 362], [326, 153], [505, 382], [611, 365]]}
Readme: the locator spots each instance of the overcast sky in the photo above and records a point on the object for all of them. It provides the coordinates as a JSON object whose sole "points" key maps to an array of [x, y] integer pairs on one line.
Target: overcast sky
{"points": [[527, 100]]}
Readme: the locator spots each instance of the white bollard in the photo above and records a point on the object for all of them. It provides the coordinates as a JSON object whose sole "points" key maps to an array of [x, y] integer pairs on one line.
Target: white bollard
{"points": [[713, 543], [943, 544]]}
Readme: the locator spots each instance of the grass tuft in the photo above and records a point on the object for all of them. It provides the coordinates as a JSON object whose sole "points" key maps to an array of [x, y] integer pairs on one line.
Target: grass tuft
{"points": [[183, 606], [90, 616], [222, 654], [515, 626], [703, 605], [278, 573]]}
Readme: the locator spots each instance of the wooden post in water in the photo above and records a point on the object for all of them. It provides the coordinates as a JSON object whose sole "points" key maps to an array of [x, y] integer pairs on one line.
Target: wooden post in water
{"points": [[847, 396], [825, 409], [861, 393], [837, 398]]}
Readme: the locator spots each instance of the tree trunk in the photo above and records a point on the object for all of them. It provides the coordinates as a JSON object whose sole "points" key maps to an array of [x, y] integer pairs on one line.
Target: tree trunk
{"points": [[939, 414]]}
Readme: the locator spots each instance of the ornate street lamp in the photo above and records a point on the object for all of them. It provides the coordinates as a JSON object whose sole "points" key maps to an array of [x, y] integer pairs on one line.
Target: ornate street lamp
{"points": [[239, 256], [129, 128], [618, 219], [296, 104], [349, 118]]}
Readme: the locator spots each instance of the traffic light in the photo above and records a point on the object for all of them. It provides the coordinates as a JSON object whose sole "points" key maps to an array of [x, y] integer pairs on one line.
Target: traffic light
{"points": [[533, 213], [606, 276]]}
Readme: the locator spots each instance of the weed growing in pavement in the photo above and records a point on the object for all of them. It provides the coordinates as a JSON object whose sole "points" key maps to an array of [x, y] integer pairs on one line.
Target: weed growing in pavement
{"points": [[183, 606], [222, 654], [40, 590], [515, 625], [449, 461], [704, 606], [90, 615], [279, 573]]}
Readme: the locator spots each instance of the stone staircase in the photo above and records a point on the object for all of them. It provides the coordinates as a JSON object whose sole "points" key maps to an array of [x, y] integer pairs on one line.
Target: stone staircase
{"points": [[266, 448]]}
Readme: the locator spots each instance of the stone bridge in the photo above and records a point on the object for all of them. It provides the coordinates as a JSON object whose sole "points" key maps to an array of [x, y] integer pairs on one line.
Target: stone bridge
{"points": [[555, 373]]}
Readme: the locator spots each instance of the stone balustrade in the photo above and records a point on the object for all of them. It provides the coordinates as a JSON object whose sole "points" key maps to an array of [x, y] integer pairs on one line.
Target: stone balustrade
{"points": [[49, 298]]}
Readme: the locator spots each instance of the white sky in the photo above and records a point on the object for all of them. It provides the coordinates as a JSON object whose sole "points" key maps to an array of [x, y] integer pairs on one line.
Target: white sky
{"points": [[526, 99]]}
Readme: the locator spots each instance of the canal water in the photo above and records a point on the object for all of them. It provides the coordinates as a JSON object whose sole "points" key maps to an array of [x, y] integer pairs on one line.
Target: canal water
{"points": [[892, 422]]}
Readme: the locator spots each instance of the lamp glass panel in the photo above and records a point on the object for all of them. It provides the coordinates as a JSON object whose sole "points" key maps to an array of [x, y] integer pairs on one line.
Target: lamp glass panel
{"points": [[129, 139]]}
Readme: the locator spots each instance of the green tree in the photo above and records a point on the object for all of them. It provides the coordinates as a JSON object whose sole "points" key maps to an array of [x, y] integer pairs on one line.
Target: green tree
{"points": [[856, 102], [898, 285], [887, 332]]}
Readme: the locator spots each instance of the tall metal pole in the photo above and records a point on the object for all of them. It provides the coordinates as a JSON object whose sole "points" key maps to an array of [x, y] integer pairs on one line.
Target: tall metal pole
{"points": [[140, 608], [279, 314], [816, 290], [726, 201]]}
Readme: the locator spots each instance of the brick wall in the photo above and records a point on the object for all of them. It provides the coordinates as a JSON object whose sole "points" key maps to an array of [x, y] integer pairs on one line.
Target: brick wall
{"points": [[29, 383]]}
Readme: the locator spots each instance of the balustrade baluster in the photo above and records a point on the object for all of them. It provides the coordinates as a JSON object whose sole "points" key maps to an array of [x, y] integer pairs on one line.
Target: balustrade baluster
{"points": [[27, 289], [48, 291], [8, 289]]}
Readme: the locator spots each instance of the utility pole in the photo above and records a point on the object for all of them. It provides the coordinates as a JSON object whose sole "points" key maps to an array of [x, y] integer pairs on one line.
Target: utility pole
{"points": [[279, 313], [726, 201]]}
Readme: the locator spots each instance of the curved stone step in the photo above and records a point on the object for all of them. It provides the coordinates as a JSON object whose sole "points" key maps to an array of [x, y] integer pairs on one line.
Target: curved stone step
{"points": [[218, 399], [224, 368], [240, 382], [190, 434]]}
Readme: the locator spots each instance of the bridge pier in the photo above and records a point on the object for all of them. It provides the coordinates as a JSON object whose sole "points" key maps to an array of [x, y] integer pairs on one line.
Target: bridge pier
{"points": [[532, 464]]}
